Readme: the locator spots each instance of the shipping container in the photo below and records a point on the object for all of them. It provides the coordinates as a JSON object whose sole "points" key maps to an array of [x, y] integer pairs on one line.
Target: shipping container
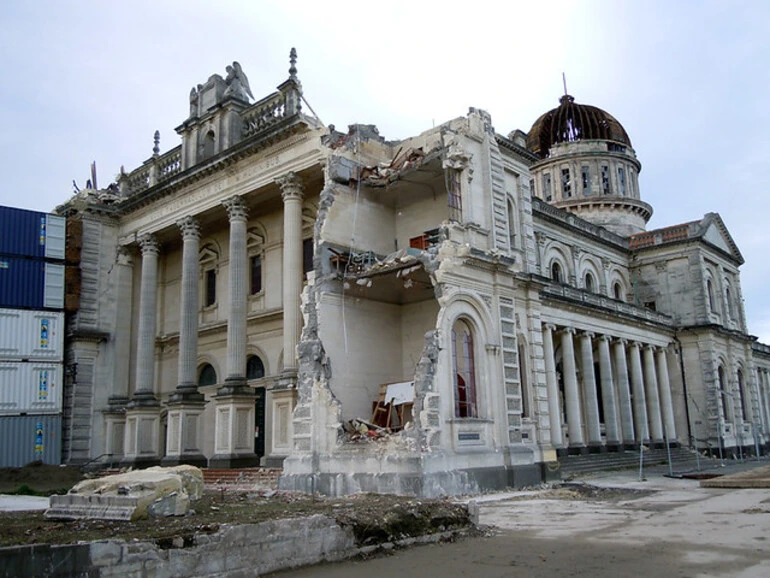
{"points": [[29, 335], [31, 234], [31, 284], [30, 387], [28, 438]]}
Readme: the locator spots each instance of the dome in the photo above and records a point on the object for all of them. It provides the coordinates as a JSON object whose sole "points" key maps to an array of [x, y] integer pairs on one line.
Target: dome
{"points": [[573, 122]]}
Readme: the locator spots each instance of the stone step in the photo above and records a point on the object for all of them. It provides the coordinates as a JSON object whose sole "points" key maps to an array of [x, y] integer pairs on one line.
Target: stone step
{"points": [[681, 458]]}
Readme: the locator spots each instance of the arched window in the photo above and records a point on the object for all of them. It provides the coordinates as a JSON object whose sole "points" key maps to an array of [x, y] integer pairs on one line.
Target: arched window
{"points": [[589, 282], [255, 369], [464, 366], [710, 292], [725, 411], [208, 144], [617, 291], [729, 303], [556, 272], [207, 376], [511, 225], [742, 398]]}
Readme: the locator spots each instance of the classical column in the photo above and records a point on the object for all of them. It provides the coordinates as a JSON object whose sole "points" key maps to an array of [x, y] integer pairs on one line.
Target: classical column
{"points": [[637, 388], [292, 192], [764, 391], [571, 392], [589, 391], [552, 386], [234, 413], [608, 394], [142, 431], [651, 392], [184, 439], [666, 401], [115, 414], [624, 393]]}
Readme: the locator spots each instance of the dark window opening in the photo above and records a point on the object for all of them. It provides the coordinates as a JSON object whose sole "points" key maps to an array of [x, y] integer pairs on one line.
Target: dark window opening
{"points": [[208, 145], [556, 272], [589, 282], [464, 371], [586, 177], [454, 199], [566, 184], [307, 255], [650, 305], [256, 275], [622, 181], [547, 188], [207, 376], [605, 179], [255, 369], [617, 291], [741, 397], [710, 291], [211, 287]]}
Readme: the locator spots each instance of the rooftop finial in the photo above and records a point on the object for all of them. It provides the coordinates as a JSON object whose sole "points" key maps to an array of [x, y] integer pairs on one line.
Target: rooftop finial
{"points": [[564, 81], [156, 141], [293, 62]]}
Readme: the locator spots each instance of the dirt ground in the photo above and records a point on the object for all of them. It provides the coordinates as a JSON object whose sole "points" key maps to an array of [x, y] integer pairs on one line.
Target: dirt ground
{"points": [[373, 518], [38, 479]]}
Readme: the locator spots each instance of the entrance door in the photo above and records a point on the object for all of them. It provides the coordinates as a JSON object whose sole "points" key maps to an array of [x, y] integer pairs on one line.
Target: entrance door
{"points": [[259, 422]]}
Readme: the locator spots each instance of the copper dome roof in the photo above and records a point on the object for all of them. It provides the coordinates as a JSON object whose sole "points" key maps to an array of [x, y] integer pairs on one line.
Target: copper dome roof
{"points": [[572, 122]]}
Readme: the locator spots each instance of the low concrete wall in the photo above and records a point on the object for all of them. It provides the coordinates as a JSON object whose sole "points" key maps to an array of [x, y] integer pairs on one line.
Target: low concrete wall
{"points": [[244, 550]]}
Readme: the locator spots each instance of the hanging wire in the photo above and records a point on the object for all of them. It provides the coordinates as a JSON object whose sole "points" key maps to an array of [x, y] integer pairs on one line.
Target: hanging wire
{"points": [[352, 238]]}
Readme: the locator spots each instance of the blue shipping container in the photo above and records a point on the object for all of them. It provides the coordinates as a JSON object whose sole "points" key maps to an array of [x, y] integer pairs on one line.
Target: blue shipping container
{"points": [[27, 284], [27, 438], [31, 234]]}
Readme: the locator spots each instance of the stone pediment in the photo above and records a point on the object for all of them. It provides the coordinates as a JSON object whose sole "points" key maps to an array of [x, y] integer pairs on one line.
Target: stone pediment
{"points": [[714, 232]]}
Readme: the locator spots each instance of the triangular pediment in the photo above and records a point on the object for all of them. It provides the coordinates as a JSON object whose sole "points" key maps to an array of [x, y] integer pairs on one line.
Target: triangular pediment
{"points": [[714, 232]]}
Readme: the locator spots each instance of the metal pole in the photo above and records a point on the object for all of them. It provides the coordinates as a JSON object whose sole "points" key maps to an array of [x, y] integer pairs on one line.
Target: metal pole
{"points": [[668, 451], [641, 462]]}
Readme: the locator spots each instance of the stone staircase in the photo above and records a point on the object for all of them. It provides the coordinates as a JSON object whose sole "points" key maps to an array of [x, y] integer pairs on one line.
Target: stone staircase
{"points": [[682, 460], [255, 478], [251, 478]]}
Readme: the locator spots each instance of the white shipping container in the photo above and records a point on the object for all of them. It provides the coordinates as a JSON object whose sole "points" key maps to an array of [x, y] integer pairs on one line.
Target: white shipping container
{"points": [[30, 387], [55, 236], [29, 335]]}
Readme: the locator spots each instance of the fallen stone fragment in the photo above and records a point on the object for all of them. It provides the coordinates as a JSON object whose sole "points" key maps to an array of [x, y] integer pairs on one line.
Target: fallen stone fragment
{"points": [[131, 496]]}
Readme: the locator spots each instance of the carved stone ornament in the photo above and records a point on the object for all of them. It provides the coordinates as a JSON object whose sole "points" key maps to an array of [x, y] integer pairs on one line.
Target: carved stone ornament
{"points": [[190, 227], [149, 244], [456, 157], [291, 186], [236, 208]]}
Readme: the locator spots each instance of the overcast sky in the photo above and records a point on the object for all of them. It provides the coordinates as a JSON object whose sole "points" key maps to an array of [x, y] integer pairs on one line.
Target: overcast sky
{"points": [[92, 81]]}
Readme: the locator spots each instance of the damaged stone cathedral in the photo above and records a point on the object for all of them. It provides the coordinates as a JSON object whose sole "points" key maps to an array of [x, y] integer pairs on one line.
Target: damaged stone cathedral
{"points": [[443, 314]]}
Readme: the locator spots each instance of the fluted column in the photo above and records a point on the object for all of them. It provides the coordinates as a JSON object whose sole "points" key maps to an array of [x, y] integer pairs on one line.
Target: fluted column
{"points": [[184, 440], [589, 390], [142, 431], [234, 411], [608, 393], [188, 305], [764, 392], [651, 392], [292, 192], [237, 285], [148, 294], [637, 388], [624, 393], [552, 386], [666, 401], [571, 392]]}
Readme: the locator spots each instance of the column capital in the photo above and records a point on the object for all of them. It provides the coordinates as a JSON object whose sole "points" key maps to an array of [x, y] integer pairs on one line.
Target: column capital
{"points": [[589, 334], [605, 337], [550, 327], [236, 208], [620, 341], [291, 186], [635, 344], [571, 330], [148, 243], [190, 227], [125, 255]]}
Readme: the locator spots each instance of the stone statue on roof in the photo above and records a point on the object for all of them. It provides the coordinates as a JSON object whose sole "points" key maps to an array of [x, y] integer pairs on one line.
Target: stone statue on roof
{"points": [[237, 82]]}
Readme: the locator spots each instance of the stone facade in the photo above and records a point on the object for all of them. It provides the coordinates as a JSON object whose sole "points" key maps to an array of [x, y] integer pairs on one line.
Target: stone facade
{"points": [[261, 285]]}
